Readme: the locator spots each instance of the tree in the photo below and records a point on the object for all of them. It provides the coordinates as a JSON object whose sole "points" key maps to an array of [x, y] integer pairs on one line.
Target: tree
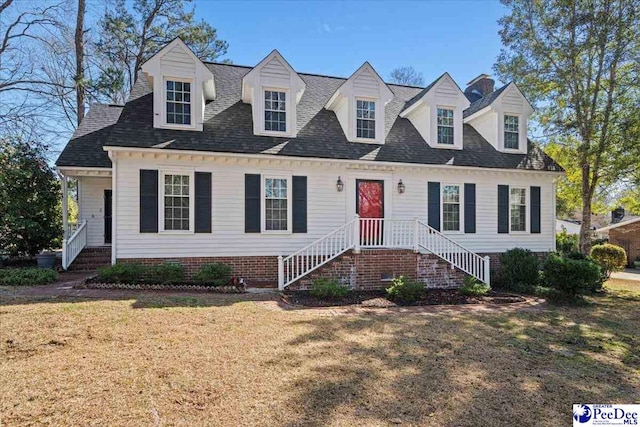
{"points": [[29, 190], [578, 60], [79, 45], [131, 36], [406, 76]]}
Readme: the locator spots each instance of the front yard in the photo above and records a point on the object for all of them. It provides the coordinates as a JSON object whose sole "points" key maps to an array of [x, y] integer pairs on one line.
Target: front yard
{"points": [[219, 360]]}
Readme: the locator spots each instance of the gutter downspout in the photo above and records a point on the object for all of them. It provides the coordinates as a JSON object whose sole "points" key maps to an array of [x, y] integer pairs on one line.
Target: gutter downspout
{"points": [[114, 204]]}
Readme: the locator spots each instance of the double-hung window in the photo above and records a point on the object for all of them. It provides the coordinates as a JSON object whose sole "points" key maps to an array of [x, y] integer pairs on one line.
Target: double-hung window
{"points": [[511, 132], [177, 202], [518, 208], [276, 204], [365, 119], [445, 126], [451, 208], [178, 102], [275, 111]]}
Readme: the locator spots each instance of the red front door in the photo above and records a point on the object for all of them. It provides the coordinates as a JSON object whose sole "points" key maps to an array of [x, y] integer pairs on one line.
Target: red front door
{"points": [[370, 204]]}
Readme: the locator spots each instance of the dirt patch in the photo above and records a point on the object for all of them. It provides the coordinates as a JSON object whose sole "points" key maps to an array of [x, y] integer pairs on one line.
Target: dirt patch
{"points": [[378, 299]]}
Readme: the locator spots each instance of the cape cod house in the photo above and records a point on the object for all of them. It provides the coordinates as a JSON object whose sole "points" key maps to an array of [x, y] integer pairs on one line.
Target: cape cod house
{"points": [[286, 176]]}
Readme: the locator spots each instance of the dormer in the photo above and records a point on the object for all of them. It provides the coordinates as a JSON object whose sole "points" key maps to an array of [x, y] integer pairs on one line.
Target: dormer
{"points": [[181, 86], [436, 113], [359, 104], [501, 118], [274, 89]]}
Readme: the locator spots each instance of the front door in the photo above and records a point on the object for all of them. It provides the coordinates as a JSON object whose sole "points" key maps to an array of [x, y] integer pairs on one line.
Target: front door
{"points": [[107, 217], [370, 205]]}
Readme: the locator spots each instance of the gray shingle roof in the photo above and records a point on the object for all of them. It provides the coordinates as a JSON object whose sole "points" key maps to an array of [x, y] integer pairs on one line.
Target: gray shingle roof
{"points": [[483, 102], [228, 127]]}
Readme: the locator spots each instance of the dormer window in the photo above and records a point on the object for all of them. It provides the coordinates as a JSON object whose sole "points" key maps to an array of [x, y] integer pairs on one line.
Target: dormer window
{"points": [[275, 111], [365, 119], [445, 126], [511, 132], [178, 102]]}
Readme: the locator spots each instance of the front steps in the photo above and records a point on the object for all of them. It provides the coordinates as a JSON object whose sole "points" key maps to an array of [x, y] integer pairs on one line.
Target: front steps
{"points": [[90, 258]]}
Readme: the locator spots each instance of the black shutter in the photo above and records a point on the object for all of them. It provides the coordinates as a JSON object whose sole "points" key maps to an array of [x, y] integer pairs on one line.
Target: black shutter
{"points": [[469, 208], [148, 201], [299, 212], [433, 208], [503, 208], [203, 202], [251, 203], [535, 209]]}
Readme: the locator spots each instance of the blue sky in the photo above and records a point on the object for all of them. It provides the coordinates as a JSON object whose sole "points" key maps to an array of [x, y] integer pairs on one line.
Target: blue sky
{"points": [[335, 38]]}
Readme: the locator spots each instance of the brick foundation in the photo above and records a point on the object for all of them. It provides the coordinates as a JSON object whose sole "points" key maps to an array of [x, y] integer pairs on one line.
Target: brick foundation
{"points": [[256, 270]]}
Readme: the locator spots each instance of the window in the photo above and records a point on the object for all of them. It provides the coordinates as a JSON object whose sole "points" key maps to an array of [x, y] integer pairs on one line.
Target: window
{"points": [[445, 126], [518, 204], [511, 134], [178, 102], [176, 202], [276, 203], [365, 119], [451, 208], [275, 111]]}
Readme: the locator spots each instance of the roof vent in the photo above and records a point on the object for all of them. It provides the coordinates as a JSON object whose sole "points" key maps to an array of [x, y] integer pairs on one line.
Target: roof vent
{"points": [[479, 87]]}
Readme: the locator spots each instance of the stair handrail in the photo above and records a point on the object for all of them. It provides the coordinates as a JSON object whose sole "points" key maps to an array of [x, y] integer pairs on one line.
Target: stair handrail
{"points": [[352, 241], [479, 269], [74, 244]]}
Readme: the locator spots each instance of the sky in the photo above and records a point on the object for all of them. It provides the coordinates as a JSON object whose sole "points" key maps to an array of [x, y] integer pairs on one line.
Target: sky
{"points": [[337, 37]]}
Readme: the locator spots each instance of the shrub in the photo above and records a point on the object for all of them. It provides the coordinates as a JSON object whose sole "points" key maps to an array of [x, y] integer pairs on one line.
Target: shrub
{"points": [[610, 257], [519, 270], [217, 274], [405, 290], [566, 243], [27, 276], [473, 287], [571, 277], [328, 288], [165, 274], [121, 273]]}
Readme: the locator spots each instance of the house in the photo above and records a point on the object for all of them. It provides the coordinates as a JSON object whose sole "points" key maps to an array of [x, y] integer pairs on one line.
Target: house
{"points": [[568, 226], [625, 234], [286, 175]]}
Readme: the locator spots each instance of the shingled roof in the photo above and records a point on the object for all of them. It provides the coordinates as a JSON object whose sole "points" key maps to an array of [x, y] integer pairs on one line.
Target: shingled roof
{"points": [[228, 128]]}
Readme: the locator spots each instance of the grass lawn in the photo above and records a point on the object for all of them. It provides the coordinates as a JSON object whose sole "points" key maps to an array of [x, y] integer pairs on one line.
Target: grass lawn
{"points": [[216, 360]]}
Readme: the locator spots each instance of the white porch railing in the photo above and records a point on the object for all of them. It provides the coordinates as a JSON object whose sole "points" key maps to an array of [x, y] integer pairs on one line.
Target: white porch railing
{"points": [[371, 233], [72, 227], [73, 245], [453, 252]]}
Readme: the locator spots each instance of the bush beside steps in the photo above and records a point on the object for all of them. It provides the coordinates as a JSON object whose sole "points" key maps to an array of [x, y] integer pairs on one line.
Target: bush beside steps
{"points": [[212, 277], [27, 276]]}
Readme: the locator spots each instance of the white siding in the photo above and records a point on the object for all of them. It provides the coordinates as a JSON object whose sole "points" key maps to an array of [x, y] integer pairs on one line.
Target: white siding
{"points": [[366, 84], [327, 208], [275, 73], [91, 207]]}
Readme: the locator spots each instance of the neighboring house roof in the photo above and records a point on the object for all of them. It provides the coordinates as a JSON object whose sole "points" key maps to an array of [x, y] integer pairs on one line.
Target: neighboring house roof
{"points": [[571, 227], [85, 146], [228, 127], [618, 224], [483, 102]]}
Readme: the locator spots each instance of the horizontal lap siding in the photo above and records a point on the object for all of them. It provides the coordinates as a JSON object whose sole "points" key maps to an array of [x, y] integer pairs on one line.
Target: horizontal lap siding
{"points": [[91, 194], [327, 208]]}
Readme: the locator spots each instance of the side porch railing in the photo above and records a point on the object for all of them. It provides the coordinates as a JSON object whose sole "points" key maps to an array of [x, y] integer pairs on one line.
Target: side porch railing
{"points": [[74, 244], [372, 233]]}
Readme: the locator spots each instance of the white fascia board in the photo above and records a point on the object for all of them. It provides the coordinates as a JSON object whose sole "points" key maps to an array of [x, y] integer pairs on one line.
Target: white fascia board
{"points": [[166, 151], [252, 78], [478, 114]]}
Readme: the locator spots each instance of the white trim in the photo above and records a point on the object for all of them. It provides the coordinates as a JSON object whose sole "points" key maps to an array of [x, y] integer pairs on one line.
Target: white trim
{"points": [[287, 111], [619, 224], [114, 205], [178, 126], [182, 172], [460, 229], [372, 164], [357, 138], [453, 118], [504, 132], [526, 208], [263, 204]]}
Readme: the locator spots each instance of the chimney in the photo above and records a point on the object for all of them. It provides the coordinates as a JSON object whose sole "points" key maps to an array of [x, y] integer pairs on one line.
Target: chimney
{"points": [[617, 215], [479, 87]]}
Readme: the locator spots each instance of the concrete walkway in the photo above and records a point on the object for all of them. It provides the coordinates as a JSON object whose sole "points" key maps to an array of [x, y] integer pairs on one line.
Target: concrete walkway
{"points": [[628, 274]]}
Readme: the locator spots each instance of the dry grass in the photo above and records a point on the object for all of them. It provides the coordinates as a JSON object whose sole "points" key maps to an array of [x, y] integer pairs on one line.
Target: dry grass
{"points": [[220, 361]]}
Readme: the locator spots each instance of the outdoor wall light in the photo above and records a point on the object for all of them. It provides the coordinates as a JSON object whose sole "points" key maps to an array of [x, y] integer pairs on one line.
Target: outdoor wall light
{"points": [[401, 187], [339, 185]]}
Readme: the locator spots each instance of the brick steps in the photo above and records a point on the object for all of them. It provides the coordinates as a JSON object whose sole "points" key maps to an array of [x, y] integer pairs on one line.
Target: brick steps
{"points": [[91, 259]]}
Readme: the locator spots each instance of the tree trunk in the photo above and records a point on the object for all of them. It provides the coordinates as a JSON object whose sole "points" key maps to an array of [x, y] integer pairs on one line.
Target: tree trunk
{"points": [[585, 228], [79, 42]]}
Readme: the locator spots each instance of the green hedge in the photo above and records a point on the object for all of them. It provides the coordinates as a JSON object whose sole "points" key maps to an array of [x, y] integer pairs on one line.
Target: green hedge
{"points": [[610, 257], [164, 274], [217, 274], [328, 288], [405, 290], [571, 277], [473, 287], [519, 270], [27, 276]]}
